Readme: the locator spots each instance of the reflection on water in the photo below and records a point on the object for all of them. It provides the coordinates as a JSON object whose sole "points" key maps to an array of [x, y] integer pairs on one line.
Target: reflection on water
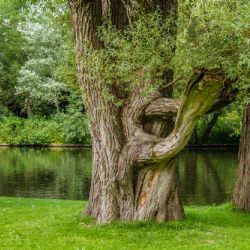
{"points": [[57, 173], [206, 176]]}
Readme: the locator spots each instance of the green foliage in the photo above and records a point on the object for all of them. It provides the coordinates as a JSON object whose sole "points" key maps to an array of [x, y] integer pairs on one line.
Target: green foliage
{"points": [[45, 78], [11, 54], [63, 128], [73, 127], [231, 119], [215, 34], [37, 64], [138, 56], [39, 79], [227, 128], [16, 130], [210, 34]]}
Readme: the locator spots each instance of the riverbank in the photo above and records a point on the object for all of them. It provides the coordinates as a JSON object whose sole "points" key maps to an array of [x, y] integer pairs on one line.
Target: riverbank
{"points": [[54, 145], [57, 224]]}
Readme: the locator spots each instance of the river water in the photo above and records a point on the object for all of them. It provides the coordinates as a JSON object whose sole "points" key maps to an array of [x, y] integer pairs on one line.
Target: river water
{"points": [[206, 176]]}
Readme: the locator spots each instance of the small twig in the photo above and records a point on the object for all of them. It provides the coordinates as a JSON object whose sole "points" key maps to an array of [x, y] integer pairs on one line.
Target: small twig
{"points": [[171, 83]]}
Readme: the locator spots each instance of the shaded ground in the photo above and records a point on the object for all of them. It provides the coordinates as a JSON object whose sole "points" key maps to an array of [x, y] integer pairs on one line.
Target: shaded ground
{"points": [[56, 224]]}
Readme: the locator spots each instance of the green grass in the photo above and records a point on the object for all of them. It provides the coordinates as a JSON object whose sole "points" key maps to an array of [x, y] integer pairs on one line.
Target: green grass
{"points": [[56, 224]]}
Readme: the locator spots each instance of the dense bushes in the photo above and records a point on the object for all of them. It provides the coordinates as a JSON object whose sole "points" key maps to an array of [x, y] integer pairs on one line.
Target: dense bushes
{"points": [[222, 133], [72, 127], [37, 75], [63, 128], [226, 129]]}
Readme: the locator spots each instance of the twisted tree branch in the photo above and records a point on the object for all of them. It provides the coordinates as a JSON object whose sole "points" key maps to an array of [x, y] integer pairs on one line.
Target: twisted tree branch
{"points": [[164, 107], [201, 93]]}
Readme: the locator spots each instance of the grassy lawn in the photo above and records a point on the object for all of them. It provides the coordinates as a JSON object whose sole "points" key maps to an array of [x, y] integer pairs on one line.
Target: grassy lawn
{"points": [[56, 224]]}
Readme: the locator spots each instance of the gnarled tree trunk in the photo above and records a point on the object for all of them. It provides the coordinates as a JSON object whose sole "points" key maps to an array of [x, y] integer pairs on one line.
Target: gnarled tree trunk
{"points": [[241, 194], [135, 175], [157, 186]]}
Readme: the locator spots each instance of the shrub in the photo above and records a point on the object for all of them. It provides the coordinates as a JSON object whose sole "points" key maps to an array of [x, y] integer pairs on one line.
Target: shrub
{"points": [[64, 128]]}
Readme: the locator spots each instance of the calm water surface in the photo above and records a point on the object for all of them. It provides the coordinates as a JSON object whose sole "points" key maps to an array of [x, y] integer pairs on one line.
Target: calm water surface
{"points": [[206, 176]]}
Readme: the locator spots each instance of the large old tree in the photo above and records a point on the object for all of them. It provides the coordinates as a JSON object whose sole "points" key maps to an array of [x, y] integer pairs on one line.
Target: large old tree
{"points": [[135, 176]]}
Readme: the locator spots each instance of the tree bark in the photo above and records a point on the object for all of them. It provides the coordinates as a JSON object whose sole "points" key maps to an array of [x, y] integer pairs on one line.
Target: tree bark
{"points": [[28, 107], [241, 194], [157, 194], [104, 117], [135, 175]]}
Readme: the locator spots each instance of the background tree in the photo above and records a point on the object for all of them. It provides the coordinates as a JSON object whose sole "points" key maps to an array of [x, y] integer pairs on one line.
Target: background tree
{"points": [[241, 192], [11, 54], [45, 44], [38, 75], [216, 33]]}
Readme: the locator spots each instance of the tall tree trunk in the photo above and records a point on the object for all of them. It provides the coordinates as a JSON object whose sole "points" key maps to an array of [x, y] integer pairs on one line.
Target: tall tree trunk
{"points": [[241, 194], [135, 176], [105, 123], [28, 107]]}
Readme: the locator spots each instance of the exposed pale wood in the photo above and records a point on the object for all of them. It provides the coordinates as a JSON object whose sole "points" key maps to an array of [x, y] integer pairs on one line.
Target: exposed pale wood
{"points": [[202, 91], [150, 152]]}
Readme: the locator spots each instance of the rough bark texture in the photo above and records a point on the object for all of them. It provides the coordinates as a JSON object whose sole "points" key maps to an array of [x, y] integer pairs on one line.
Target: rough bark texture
{"points": [[157, 186], [105, 123], [135, 175], [241, 194]]}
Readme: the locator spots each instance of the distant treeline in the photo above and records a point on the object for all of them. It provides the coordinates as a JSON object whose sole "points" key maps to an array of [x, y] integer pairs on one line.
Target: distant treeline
{"points": [[40, 100]]}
